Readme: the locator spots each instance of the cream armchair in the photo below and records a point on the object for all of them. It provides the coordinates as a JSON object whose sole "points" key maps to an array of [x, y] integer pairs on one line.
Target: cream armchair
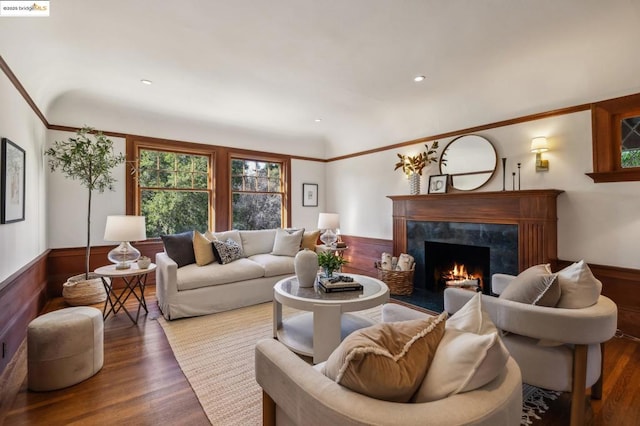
{"points": [[556, 348], [296, 393]]}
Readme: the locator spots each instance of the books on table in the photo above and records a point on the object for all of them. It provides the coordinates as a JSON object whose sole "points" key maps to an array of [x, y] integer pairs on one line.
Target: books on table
{"points": [[338, 283]]}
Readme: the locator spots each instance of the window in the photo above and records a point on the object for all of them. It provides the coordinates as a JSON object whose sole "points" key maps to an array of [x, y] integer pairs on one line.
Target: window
{"points": [[630, 135], [183, 186], [257, 194], [616, 139], [174, 191]]}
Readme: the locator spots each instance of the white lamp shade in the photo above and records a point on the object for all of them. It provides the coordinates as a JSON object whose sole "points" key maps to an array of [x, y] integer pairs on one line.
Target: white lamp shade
{"points": [[125, 228], [328, 221], [539, 145]]}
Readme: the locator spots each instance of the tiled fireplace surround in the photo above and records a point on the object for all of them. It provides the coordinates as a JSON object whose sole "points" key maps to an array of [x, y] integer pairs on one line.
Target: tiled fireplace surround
{"points": [[519, 227]]}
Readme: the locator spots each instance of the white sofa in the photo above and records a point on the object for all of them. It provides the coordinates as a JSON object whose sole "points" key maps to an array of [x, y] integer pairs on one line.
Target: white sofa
{"points": [[193, 290]]}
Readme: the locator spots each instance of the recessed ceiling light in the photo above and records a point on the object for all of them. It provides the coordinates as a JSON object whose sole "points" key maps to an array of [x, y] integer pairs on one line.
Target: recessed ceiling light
{"points": [[419, 78], [145, 81], [317, 120]]}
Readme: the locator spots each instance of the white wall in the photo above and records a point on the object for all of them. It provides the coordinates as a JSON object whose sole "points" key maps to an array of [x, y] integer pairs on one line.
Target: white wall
{"points": [[307, 172], [21, 242], [596, 222], [67, 206], [67, 203]]}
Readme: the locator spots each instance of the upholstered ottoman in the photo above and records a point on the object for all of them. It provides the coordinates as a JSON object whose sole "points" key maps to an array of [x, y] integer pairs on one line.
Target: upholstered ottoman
{"points": [[64, 347]]}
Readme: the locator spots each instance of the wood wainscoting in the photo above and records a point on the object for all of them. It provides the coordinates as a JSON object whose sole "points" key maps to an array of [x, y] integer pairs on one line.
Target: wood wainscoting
{"points": [[363, 253], [67, 262], [22, 297]]}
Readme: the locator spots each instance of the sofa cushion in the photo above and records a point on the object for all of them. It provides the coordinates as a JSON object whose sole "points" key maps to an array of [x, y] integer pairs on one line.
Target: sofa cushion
{"points": [[470, 355], [257, 242], [234, 234], [179, 247], [386, 361], [534, 286], [194, 276], [287, 242], [227, 251], [274, 265], [202, 249], [310, 240], [578, 287]]}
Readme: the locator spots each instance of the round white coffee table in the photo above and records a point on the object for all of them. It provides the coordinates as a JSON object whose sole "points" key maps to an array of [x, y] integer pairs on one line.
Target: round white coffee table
{"points": [[319, 331]]}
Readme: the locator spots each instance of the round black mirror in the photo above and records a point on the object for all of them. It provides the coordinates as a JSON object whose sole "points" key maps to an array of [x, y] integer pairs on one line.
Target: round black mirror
{"points": [[470, 161]]}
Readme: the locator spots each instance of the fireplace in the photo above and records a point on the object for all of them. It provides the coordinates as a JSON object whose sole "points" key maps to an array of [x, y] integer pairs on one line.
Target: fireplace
{"points": [[457, 265], [519, 227]]}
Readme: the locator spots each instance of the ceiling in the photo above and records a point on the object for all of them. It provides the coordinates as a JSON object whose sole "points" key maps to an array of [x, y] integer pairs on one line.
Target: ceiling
{"points": [[274, 67]]}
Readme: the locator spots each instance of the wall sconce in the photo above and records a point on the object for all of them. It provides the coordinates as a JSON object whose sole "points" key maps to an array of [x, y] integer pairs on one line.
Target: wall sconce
{"points": [[540, 145]]}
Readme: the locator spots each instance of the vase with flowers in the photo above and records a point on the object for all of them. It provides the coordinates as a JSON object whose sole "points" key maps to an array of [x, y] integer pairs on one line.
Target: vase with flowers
{"points": [[329, 262], [412, 165]]}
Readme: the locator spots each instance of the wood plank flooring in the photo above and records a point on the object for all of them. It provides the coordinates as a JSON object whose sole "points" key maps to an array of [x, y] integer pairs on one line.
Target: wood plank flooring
{"points": [[139, 384], [142, 384]]}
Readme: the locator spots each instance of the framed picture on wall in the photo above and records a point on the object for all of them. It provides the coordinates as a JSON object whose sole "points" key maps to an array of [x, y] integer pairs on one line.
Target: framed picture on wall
{"points": [[13, 182], [438, 184], [309, 195]]}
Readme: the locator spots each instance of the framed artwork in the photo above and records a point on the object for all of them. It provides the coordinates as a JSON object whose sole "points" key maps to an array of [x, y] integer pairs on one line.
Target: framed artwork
{"points": [[13, 182], [309, 195], [438, 184]]}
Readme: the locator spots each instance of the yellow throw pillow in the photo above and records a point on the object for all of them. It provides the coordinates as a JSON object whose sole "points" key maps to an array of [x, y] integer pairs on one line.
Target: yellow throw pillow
{"points": [[202, 249], [310, 239], [387, 361]]}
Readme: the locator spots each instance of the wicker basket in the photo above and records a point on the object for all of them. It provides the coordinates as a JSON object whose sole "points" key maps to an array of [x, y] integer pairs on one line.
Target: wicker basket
{"points": [[399, 282]]}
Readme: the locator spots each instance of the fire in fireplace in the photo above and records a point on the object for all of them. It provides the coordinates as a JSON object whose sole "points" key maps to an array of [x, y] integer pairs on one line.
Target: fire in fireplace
{"points": [[458, 265], [459, 277]]}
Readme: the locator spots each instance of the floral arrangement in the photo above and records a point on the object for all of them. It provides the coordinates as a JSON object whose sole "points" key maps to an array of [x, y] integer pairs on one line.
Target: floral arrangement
{"points": [[330, 262], [413, 164]]}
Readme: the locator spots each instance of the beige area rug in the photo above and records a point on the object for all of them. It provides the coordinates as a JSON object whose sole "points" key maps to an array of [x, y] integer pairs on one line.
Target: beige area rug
{"points": [[216, 354]]}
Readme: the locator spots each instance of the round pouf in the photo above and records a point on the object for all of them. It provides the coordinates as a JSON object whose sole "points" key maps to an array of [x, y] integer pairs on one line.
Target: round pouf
{"points": [[64, 347]]}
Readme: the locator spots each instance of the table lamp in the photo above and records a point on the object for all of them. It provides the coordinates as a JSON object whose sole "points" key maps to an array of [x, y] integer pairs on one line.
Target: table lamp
{"points": [[124, 229], [329, 222]]}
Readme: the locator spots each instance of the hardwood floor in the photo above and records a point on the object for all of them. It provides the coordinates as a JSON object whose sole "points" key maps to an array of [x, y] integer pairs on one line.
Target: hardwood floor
{"points": [[139, 384], [142, 384]]}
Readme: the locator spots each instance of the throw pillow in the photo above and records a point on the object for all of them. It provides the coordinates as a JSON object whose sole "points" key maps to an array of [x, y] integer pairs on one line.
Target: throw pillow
{"points": [[202, 249], [310, 239], [541, 290], [534, 286], [179, 247], [578, 287], [470, 355], [287, 242], [386, 361], [227, 251]]}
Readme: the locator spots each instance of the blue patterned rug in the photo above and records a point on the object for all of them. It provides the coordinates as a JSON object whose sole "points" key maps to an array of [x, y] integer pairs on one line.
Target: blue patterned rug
{"points": [[535, 402]]}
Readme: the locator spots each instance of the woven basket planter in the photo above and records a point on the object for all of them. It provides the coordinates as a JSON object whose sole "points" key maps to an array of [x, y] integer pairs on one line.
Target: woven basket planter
{"points": [[78, 291], [399, 282]]}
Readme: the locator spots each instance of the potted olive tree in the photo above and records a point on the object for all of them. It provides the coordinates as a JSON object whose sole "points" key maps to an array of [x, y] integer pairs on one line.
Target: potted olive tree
{"points": [[89, 158]]}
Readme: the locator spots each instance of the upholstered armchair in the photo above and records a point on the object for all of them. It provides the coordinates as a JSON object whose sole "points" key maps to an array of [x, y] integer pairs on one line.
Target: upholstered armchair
{"points": [[559, 349], [296, 393]]}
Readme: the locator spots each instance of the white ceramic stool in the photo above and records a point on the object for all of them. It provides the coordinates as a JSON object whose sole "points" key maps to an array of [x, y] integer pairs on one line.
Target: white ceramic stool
{"points": [[64, 347]]}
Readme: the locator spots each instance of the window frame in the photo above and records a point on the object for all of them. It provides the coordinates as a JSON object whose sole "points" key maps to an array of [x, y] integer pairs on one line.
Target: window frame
{"points": [[606, 117], [220, 216], [176, 150], [285, 164]]}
